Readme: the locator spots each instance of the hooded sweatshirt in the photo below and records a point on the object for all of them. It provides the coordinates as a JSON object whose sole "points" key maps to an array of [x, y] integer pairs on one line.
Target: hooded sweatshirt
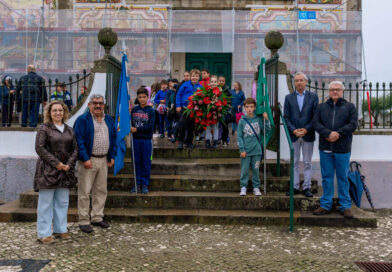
{"points": [[246, 139]]}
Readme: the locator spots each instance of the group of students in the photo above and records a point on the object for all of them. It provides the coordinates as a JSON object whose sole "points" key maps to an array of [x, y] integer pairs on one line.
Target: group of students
{"points": [[169, 99]]}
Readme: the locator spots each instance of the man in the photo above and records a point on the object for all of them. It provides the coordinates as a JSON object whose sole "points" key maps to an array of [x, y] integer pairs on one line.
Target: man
{"points": [[299, 109], [335, 121], [96, 136], [31, 93]]}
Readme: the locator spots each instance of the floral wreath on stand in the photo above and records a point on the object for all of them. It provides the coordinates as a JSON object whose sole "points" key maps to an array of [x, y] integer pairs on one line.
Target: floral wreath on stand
{"points": [[207, 106]]}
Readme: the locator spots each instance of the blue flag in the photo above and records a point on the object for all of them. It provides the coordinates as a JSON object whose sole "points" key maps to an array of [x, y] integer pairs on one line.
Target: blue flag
{"points": [[122, 118]]}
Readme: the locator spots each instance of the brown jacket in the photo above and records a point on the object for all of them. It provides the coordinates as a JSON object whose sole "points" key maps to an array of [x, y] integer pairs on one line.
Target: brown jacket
{"points": [[54, 147]]}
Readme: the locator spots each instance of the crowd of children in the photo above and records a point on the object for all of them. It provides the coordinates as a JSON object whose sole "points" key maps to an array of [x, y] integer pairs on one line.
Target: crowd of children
{"points": [[163, 108]]}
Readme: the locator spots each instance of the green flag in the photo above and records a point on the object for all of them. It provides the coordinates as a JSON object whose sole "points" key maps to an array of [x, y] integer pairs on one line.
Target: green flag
{"points": [[262, 98]]}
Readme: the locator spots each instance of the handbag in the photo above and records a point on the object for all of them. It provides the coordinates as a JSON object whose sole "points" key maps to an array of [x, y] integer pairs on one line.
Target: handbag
{"points": [[238, 116]]}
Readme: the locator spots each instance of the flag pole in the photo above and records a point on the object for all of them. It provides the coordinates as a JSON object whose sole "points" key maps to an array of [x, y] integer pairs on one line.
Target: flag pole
{"points": [[133, 160], [264, 142]]}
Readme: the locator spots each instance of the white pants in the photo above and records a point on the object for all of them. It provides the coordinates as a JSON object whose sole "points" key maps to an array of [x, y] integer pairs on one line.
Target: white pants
{"points": [[307, 153]]}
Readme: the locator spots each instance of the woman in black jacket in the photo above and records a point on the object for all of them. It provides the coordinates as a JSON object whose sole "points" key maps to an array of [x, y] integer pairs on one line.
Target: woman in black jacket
{"points": [[55, 172]]}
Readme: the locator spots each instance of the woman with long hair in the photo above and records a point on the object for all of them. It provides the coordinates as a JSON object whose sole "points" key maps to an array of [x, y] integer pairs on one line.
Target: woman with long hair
{"points": [[237, 102], [55, 172]]}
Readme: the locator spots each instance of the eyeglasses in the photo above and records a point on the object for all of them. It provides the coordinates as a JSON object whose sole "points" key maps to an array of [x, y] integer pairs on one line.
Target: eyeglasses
{"points": [[97, 103], [335, 90]]}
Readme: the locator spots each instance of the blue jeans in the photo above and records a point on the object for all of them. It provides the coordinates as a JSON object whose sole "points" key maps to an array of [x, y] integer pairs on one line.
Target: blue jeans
{"points": [[52, 207], [142, 152], [32, 113], [162, 122], [329, 163]]}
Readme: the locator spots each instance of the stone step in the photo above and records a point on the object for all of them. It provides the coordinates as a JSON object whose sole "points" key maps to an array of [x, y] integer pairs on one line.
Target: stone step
{"points": [[190, 200], [205, 167], [11, 212], [196, 153], [124, 182]]}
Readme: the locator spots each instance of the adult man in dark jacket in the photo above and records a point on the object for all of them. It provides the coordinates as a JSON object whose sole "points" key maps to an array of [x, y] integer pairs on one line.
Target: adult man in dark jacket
{"points": [[31, 93], [335, 121], [95, 134], [299, 108]]}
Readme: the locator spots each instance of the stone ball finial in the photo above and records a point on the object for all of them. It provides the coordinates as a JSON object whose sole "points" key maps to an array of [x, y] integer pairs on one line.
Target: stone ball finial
{"points": [[107, 38], [274, 41]]}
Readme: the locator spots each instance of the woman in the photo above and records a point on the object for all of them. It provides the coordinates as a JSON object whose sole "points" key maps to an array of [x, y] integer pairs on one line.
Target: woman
{"points": [[7, 97], [237, 102], [55, 172]]}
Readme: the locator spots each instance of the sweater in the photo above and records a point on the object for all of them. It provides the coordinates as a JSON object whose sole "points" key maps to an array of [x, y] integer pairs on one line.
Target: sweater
{"points": [[161, 95], [187, 89], [143, 120], [246, 139]]}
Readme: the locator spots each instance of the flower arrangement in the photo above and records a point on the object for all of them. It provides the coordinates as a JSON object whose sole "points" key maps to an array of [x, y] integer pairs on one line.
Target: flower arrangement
{"points": [[207, 106]]}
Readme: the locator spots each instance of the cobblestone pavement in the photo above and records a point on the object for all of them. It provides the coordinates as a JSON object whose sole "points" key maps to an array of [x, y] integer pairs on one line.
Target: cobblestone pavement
{"points": [[175, 247]]}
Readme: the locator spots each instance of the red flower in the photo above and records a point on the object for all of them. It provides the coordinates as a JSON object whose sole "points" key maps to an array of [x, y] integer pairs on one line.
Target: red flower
{"points": [[209, 115], [224, 102], [200, 102], [190, 98], [216, 91], [218, 103], [191, 115], [197, 120], [204, 122], [199, 113], [190, 106], [199, 93], [206, 100]]}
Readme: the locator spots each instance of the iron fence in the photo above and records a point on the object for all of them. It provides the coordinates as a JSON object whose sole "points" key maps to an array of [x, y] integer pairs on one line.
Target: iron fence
{"points": [[28, 96], [373, 101]]}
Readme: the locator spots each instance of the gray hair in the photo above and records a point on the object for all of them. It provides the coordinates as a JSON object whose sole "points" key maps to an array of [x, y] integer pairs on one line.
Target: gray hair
{"points": [[96, 96], [301, 74], [336, 82], [30, 68]]}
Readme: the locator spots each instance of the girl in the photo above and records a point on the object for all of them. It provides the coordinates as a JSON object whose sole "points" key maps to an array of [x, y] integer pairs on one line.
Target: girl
{"points": [[215, 128]]}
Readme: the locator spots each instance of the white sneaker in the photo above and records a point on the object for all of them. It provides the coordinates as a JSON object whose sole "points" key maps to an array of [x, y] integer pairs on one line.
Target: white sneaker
{"points": [[243, 191], [256, 191], [197, 138]]}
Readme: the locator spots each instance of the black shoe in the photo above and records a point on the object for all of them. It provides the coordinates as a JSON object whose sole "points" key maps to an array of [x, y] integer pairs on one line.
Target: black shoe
{"points": [[139, 189], [296, 192], [86, 228], [190, 146], [307, 193], [215, 144], [101, 224], [174, 140], [208, 144], [180, 145]]}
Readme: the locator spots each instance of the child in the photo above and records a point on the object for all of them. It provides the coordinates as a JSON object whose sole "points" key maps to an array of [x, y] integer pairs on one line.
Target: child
{"points": [[215, 128], [250, 131], [186, 125], [62, 94], [205, 77], [143, 118], [160, 101], [169, 105]]}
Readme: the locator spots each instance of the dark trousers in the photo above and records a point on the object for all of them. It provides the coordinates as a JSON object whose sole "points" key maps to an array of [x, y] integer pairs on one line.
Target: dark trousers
{"points": [[162, 122], [142, 151], [30, 110], [225, 131], [186, 129], [6, 115], [176, 125]]}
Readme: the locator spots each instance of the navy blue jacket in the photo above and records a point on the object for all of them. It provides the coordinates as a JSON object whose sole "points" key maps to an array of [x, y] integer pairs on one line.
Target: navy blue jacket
{"points": [[84, 134], [237, 99], [186, 90], [341, 117], [31, 87], [143, 120], [300, 119], [5, 95]]}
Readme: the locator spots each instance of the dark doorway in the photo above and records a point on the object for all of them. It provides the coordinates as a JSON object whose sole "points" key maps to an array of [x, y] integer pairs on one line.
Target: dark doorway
{"points": [[217, 63]]}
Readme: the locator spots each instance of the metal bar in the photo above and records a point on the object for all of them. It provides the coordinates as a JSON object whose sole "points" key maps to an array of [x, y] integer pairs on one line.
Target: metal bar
{"points": [[363, 104], [276, 73], [383, 105], [291, 227], [377, 105], [390, 104]]}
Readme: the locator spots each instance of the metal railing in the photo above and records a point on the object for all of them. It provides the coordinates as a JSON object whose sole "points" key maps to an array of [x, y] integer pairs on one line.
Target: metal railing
{"points": [[20, 96], [371, 100], [291, 147]]}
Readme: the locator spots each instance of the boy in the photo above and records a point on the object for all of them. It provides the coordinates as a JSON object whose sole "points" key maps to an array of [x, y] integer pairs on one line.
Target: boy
{"points": [[205, 78], [169, 105], [143, 118], [160, 102], [250, 131], [186, 124]]}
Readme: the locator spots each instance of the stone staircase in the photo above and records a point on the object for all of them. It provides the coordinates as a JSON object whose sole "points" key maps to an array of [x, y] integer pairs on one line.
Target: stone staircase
{"points": [[198, 186]]}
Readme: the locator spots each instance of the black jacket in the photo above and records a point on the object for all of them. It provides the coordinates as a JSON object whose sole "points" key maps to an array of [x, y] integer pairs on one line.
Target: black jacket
{"points": [[300, 119], [341, 117], [31, 87]]}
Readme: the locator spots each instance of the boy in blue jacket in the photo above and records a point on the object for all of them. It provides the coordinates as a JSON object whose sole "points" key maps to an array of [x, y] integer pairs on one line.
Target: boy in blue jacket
{"points": [[186, 124], [143, 118], [160, 102]]}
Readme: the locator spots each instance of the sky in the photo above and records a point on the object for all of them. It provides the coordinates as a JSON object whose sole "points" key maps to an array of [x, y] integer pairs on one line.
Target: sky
{"points": [[377, 38]]}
